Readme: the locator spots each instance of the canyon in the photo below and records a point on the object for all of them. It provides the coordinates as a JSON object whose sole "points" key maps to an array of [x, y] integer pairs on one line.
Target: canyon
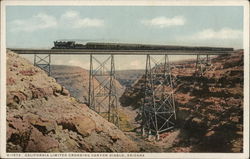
{"points": [[54, 110]]}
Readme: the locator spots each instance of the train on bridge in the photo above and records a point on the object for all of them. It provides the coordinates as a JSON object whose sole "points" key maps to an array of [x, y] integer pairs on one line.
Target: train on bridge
{"points": [[124, 46]]}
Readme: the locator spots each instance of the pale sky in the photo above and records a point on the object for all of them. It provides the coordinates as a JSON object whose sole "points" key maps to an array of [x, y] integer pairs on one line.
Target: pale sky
{"points": [[38, 27]]}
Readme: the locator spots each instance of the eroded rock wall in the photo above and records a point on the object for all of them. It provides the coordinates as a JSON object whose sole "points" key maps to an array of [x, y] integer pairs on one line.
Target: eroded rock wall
{"points": [[42, 117], [209, 107]]}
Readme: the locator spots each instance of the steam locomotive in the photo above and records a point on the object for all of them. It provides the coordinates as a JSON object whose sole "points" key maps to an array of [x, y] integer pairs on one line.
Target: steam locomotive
{"points": [[124, 46]]}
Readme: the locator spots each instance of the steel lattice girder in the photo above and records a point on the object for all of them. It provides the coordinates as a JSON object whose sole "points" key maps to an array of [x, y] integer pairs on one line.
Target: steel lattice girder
{"points": [[102, 88], [158, 108], [43, 62]]}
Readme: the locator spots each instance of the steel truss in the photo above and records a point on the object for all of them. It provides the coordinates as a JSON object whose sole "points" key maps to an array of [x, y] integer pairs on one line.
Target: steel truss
{"points": [[102, 88], [203, 64], [43, 62], [158, 108]]}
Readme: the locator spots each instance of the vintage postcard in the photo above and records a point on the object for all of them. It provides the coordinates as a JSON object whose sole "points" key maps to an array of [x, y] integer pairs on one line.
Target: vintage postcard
{"points": [[124, 79]]}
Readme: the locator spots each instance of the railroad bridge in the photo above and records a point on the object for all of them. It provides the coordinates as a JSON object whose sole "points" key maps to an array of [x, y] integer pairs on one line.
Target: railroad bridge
{"points": [[158, 108]]}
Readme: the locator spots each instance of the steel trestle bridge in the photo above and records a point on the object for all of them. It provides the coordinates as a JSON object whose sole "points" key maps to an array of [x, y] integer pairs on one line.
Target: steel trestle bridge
{"points": [[158, 110]]}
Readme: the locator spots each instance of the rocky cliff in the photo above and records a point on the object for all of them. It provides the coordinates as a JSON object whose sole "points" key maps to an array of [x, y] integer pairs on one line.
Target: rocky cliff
{"points": [[43, 117], [209, 107]]}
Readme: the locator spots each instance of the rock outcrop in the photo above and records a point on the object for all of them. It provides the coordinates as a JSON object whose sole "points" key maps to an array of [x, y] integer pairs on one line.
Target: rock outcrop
{"points": [[43, 117]]}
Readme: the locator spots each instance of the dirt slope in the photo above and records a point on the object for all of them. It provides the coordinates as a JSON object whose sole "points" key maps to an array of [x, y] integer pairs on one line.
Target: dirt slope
{"points": [[128, 77], [42, 117], [76, 80]]}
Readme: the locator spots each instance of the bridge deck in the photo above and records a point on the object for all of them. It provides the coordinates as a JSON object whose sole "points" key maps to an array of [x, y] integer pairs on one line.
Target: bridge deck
{"points": [[116, 52]]}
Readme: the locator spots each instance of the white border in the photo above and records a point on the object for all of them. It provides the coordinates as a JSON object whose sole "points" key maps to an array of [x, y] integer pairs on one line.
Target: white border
{"points": [[124, 2], [246, 81], [3, 84], [245, 4]]}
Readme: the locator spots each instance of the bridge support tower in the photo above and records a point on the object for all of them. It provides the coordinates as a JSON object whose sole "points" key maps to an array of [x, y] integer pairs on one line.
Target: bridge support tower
{"points": [[158, 108], [43, 62], [102, 87]]}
